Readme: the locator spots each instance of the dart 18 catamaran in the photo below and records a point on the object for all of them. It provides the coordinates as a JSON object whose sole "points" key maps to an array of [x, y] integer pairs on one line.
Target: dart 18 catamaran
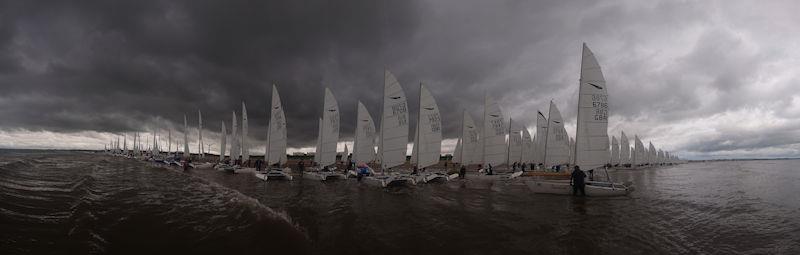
{"points": [[328, 137], [275, 152], [393, 139], [591, 145]]}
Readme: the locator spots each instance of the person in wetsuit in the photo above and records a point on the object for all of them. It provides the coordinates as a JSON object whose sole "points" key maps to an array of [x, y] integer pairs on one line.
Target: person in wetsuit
{"points": [[463, 172], [577, 181]]}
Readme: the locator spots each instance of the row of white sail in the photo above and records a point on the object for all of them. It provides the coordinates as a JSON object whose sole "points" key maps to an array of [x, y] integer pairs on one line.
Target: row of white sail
{"points": [[495, 142]]}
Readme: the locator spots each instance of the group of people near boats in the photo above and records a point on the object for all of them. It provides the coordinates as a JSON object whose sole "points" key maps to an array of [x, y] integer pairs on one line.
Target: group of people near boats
{"points": [[494, 143]]}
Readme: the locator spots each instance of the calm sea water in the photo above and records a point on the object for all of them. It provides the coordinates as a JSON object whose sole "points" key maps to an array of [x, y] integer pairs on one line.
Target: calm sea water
{"points": [[73, 202]]}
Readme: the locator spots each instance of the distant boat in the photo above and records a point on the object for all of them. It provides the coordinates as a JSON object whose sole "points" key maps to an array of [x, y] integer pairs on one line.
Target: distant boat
{"points": [[245, 145], [624, 150], [275, 150], [614, 151]]}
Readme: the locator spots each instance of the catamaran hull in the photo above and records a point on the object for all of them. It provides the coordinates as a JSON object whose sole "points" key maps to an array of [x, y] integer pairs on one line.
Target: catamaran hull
{"points": [[273, 175], [389, 181], [323, 176], [592, 189]]}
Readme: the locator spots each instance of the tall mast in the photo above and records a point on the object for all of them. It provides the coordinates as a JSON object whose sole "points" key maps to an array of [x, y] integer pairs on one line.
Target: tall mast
{"points": [[508, 148], [463, 119], [383, 124], [419, 125], [483, 131]]}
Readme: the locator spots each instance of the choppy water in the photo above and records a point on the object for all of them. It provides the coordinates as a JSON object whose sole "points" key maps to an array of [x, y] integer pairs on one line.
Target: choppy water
{"points": [[72, 202]]}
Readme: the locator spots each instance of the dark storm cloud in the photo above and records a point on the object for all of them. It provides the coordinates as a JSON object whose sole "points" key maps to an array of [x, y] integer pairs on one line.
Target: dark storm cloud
{"points": [[122, 66], [93, 65]]}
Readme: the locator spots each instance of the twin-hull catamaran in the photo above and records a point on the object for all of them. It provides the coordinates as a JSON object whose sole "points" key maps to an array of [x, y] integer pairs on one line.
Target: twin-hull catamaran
{"points": [[428, 140], [275, 152], [393, 136], [591, 145], [327, 140]]}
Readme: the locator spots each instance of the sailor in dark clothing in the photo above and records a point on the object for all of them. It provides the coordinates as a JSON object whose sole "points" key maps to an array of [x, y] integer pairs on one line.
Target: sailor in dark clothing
{"points": [[463, 172], [577, 181], [491, 171]]}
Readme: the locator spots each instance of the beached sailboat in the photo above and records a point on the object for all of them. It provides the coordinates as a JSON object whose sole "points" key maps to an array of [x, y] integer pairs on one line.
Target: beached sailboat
{"points": [[393, 135], [364, 142], [614, 151], [591, 145], [624, 151], [468, 143], [556, 149], [494, 150], [275, 151], [428, 139], [638, 155], [328, 140]]}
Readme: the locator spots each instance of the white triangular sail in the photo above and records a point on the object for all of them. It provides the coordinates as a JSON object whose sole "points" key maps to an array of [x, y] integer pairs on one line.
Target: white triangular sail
{"points": [[185, 137], [318, 147], [428, 145], [624, 149], [638, 151], [457, 153], [201, 149], [651, 156], [245, 146], [235, 151], [394, 123], [557, 143], [469, 140], [223, 139], [614, 151], [527, 147], [330, 129], [345, 154], [514, 143], [494, 133], [364, 144], [541, 137], [591, 145], [276, 135]]}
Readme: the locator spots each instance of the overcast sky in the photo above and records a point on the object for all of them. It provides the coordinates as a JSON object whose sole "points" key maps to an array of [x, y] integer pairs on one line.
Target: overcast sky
{"points": [[704, 79]]}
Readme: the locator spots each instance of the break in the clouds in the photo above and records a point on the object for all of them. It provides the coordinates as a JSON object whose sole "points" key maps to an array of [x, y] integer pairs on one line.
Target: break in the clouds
{"points": [[701, 78]]}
